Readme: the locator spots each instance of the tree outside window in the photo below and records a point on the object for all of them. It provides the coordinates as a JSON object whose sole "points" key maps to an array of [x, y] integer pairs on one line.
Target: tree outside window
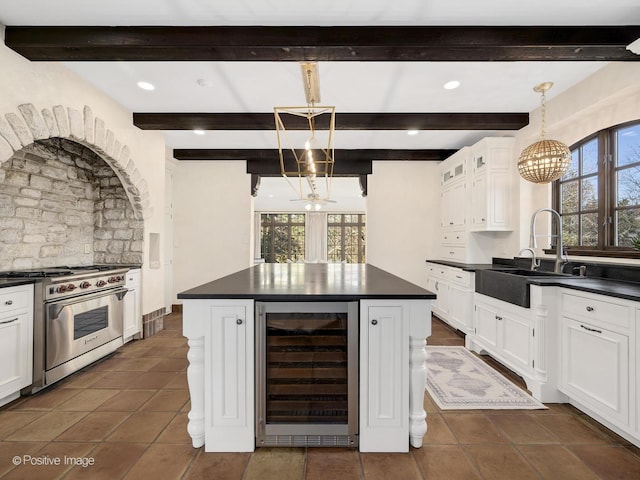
{"points": [[282, 237], [346, 238]]}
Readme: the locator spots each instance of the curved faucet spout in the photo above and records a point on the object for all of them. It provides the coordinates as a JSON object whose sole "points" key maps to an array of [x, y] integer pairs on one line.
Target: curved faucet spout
{"points": [[535, 263], [560, 257]]}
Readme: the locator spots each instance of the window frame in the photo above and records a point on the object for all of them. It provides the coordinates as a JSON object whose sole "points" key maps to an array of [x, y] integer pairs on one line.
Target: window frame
{"points": [[361, 225], [272, 223], [607, 207]]}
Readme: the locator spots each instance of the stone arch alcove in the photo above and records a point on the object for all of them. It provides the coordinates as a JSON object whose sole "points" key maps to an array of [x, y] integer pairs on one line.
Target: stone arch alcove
{"points": [[69, 191]]}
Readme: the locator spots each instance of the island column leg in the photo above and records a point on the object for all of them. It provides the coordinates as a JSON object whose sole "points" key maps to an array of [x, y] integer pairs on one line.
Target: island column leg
{"points": [[195, 378], [417, 383]]}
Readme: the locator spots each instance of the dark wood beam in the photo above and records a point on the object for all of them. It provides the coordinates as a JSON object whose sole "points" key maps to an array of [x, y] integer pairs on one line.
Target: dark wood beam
{"points": [[344, 121], [313, 43]]}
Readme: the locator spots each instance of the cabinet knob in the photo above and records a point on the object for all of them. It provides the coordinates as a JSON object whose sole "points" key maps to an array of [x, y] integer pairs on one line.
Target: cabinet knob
{"points": [[239, 321], [589, 309], [374, 322], [9, 302]]}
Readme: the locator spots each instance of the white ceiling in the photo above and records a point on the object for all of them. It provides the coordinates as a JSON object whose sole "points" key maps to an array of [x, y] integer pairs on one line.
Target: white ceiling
{"points": [[351, 86]]}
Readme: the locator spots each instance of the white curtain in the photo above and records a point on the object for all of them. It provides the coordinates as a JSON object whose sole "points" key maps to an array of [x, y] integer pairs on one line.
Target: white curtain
{"points": [[315, 237]]}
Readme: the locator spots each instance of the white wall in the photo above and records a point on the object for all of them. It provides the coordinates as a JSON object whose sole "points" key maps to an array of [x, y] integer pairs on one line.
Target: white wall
{"points": [[44, 85], [403, 217], [213, 216]]}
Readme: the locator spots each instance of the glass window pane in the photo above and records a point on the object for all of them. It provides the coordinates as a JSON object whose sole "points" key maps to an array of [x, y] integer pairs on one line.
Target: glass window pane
{"points": [[590, 157], [569, 194], [628, 222], [589, 229], [628, 145], [570, 230], [628, 187], [589, 187], [572, 172]]}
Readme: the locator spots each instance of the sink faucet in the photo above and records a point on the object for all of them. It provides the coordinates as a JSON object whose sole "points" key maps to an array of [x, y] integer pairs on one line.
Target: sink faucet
{"points": [[535, 263], [561, 259]]}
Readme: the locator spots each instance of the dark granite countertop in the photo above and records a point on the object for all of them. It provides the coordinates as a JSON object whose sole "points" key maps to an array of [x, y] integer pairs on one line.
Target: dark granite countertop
{"points": [[612, 288], [309, 282], [12, 282], [467, 267]]}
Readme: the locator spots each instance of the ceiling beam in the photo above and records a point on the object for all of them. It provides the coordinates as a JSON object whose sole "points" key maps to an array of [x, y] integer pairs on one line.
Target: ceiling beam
{"points": [[314, 43], [344, 121], [265, 162]]}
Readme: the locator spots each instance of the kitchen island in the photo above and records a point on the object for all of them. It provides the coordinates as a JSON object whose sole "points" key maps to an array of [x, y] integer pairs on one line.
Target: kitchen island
{"points": [[394, 320]]}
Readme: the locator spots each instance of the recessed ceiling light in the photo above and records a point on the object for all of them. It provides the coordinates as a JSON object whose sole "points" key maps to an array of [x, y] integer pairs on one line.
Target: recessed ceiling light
{"points": [[413, 131], [146, 86], [451, 85], [199, 132]]}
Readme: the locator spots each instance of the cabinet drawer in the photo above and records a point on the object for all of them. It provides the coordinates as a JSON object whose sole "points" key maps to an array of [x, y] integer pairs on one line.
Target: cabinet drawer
{"points": [[453, 237], [133, 278], [454, 253], [437, 271], [596, 309], [460, 277], [14, 298]]}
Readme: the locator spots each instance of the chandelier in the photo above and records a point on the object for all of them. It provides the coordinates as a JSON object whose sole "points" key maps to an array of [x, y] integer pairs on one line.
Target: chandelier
{"points": [[305, 143], [545, 160]]}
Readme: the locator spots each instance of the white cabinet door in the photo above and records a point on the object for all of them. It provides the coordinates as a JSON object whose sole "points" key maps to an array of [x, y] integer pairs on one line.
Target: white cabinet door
{"points": [[479, 200], [229, 377], [595, 369], [16, 340], [384, 377], [460, 311], [486, 324], [516, 340], [132, 315]]}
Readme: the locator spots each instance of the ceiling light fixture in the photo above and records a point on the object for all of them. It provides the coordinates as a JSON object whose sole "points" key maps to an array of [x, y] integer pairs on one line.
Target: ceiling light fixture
{"points": [[412, 131], [545, 160], [146, 86], [451, 85], [199, 132], [309, 156]]}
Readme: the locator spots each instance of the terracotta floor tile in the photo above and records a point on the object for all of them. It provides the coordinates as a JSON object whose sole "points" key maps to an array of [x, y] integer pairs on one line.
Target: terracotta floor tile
{"points": [[171, 365], [95, 427], [12, 420], [119, 380], [176, 431], [126, 400], [472, 428], [46, 399], [88, 400], [610, 462], [332, 463], [112, 461], [166, 342], [500, 462], [178, 381], [82, 379], [48, 426], [9, 450], [437, 431], [209, 465], [129, 352], [570, 429], [429, 405], [166, 462], [137, 364], [141, 427], [383, 466], [444, 461], [276, 464], [159, 352], [522, 428], [64, 454], [555, 461], [167, 401], [152, 380]]}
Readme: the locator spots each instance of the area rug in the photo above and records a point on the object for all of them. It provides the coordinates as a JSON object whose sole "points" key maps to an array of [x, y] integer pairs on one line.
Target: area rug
{"points": [[458, 380]]}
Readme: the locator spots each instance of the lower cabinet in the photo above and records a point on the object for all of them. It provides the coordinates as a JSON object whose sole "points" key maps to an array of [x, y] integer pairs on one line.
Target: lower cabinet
{"points": [[132, 315], [596, 358], [16, 341], [454, 289]]}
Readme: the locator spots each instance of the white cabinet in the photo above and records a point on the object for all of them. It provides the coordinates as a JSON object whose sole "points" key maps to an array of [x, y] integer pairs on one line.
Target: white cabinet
{"points": [[454, 288], [636, 367], [491, 190], [16, 340], [132, 315], [595, 354]]}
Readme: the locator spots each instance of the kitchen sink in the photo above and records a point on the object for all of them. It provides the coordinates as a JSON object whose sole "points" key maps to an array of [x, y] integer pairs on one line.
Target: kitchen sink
{"points": [[511, 284]]}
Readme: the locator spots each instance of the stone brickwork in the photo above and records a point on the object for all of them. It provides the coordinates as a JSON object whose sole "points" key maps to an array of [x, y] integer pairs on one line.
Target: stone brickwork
{"points": [[62, 204]]}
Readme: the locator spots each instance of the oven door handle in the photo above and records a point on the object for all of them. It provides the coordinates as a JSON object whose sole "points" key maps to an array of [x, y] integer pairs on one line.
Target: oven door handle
{"points": [[57, 307]]}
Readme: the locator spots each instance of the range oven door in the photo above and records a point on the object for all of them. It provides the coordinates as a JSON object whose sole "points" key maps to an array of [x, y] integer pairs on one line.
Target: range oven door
{"points": [[78, 325]]}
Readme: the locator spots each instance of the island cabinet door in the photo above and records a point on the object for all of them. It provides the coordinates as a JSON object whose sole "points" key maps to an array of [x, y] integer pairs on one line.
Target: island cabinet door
{"points": [[229, 377], [384, 377]]}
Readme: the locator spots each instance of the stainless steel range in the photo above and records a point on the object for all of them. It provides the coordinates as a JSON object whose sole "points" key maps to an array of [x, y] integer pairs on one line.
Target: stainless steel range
{"points": [[78, 318]]}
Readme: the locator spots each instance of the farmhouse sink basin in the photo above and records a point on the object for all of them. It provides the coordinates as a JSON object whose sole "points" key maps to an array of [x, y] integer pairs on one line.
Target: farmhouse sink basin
{"points": [[511, 284]]}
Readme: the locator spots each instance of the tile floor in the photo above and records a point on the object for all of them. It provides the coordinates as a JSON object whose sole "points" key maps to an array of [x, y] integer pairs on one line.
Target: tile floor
{"points": [[129, 414]]}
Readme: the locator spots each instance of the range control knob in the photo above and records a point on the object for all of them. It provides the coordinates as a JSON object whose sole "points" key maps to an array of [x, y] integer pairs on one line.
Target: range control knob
{"points": [[85, 284], [100, 283], [71, 287], [61, 289], [112, 280]]}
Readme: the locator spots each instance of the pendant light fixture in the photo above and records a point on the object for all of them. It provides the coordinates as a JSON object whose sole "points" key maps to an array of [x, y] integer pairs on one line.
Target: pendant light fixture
{"points": [[545, 160]]}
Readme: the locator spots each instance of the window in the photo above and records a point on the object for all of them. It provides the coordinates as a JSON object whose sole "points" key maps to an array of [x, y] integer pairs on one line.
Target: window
{"points": [[599, 196], [346, 238], [282, 237]]}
